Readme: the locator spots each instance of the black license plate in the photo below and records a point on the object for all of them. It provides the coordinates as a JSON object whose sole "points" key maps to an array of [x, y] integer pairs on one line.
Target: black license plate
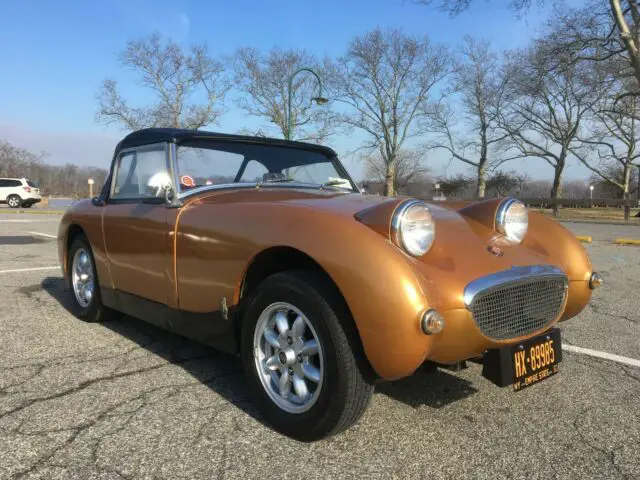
{"points": [[526, 363]]}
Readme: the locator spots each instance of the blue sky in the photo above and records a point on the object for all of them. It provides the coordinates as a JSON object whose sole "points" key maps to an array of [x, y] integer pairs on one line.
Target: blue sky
{"points": [[55, 55]]}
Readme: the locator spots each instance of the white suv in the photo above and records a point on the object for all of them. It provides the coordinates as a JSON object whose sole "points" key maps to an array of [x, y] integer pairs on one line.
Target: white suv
{"points": [[19, 192]]}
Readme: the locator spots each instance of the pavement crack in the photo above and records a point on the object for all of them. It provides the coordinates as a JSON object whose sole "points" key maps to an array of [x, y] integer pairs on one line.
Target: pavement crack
{"points": [[596, 309], [88, 383], [610, 455]]}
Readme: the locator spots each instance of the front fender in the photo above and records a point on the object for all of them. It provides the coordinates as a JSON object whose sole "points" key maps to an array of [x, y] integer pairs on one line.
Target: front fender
{"points": [[564, 250], [381, 288]]}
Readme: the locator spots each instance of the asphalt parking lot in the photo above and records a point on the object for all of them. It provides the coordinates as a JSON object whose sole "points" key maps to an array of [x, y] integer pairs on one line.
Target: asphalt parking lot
{"points": [[126, 400]]}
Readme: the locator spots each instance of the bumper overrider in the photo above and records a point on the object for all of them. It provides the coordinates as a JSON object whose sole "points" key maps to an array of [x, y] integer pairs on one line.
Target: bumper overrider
{"points": [[502, 309]]}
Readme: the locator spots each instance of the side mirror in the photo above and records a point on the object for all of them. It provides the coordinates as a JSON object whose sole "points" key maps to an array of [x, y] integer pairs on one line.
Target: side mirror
{"points": [[169, 194]]}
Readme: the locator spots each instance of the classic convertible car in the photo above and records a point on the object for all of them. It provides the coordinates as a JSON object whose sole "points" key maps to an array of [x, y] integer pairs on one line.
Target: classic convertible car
{"points": [[267, 249]]}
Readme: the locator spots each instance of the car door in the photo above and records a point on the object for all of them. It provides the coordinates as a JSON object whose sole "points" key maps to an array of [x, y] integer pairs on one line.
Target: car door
{"points": [[4, 184], [136, 232]]}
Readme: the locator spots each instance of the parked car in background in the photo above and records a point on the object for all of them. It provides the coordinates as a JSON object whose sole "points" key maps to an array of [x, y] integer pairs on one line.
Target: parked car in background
{"points": [[266, 248], [19, 192]]}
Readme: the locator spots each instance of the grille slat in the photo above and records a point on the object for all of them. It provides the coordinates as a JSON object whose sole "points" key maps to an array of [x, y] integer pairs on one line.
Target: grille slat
{"points": [[515, 309]]}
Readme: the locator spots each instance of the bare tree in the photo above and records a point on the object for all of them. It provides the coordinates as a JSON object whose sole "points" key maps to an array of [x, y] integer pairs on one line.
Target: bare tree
{"points": [[597, 30], [478, 82], [609, 149], [409, 169], [69, 179], [264, 80], [600, 31], [174, 77], [15, 161], [456, 7], [536, 188], [503, 183], [609, 188], [454, 186], [547, 108], [386, 79]]}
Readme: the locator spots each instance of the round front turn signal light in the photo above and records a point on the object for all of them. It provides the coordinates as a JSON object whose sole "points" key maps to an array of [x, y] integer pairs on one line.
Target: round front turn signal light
{"points": [[596, 280], [432, 322]]}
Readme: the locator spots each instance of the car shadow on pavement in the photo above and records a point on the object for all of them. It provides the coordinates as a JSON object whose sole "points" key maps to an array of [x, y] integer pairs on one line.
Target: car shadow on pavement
{"points": [[430, 387], [223, 373], [220, 371]]}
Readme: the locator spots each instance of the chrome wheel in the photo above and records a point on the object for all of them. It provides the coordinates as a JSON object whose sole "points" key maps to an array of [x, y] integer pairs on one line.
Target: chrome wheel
{"points": [[13, 201], [288, 357], [82, 277]]}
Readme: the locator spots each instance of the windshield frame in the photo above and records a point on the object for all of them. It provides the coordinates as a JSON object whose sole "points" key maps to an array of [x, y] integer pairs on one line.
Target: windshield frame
{"points": [[333, 159]]}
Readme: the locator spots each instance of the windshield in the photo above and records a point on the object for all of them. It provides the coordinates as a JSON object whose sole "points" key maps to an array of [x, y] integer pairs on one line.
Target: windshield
{"points": [[201, 163], [32, 184]]}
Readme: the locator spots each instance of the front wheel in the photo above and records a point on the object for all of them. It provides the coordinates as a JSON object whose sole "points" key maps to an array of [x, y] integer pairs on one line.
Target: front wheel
{"points": [[298, 358]]}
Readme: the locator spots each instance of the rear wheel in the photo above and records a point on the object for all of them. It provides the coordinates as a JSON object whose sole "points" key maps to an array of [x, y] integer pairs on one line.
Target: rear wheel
{"points": [[14, 201], [83, 282], [298, 359]]}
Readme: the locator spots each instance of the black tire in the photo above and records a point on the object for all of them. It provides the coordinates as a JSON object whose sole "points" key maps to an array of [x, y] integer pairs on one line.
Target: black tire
{"points": [[95, 311], [27, 205], [347, 385], [14, 201]]}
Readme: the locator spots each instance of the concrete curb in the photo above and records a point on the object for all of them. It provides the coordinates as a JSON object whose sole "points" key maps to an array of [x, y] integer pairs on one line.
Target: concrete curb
{"points": [[600, 222], [627, 241], [31, 211]]}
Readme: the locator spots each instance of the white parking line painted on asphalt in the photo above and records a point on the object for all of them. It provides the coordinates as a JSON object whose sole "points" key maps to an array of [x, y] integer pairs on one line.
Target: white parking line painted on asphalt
{"points": [[47, 235], [24, 220], [34, 269], [604, 355]]}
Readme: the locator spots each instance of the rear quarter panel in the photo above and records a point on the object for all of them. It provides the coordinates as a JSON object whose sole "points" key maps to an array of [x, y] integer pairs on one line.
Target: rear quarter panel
{"points": [[88, 218]]}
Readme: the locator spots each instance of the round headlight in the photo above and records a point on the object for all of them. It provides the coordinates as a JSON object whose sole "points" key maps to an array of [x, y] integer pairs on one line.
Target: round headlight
{"points": [[512, 220], [413, 228]]}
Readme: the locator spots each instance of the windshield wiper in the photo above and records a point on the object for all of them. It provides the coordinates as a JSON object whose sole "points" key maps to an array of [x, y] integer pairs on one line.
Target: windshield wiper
{"points": [[275, 180], [279, 180]]}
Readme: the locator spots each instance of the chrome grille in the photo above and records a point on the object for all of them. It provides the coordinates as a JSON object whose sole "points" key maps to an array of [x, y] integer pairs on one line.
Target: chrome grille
{"points": [[517, 308]]}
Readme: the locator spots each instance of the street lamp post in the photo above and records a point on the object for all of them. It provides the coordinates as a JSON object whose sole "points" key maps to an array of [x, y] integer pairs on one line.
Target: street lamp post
{"points": [[320, 100], [591, 187]]}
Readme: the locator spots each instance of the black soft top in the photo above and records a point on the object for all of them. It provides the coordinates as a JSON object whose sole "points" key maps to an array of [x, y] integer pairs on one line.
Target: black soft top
{"points": [[147, 136]]}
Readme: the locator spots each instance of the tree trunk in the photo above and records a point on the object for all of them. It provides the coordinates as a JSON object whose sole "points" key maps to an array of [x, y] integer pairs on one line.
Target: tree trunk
{"points": [[482, 182], [556, 189], [389, 190], [628, 38], [626, 196], [638, 191]]}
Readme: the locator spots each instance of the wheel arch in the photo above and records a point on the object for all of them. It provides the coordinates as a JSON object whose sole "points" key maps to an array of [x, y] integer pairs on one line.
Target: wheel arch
{"points": [[280, 259], [73, 231]]}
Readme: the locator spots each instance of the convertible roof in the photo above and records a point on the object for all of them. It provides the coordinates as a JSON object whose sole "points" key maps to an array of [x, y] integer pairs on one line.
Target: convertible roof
{"points": [[148, 136]]}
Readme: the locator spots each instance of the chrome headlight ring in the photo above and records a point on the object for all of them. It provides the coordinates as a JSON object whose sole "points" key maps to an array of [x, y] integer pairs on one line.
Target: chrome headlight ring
{"points": [[413, 227], [512, 220]]}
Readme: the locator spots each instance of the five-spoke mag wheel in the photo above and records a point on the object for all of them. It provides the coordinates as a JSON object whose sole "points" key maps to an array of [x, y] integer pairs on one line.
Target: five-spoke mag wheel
{"points": [[82, 280], [288, 357]]}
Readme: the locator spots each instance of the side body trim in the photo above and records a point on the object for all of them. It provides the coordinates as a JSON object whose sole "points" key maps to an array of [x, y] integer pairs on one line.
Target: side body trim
{"points": [[210, 328]]}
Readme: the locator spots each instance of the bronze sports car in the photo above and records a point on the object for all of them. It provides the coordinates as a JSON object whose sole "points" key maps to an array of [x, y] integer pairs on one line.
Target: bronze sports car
{"points": [[267, 249]]}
